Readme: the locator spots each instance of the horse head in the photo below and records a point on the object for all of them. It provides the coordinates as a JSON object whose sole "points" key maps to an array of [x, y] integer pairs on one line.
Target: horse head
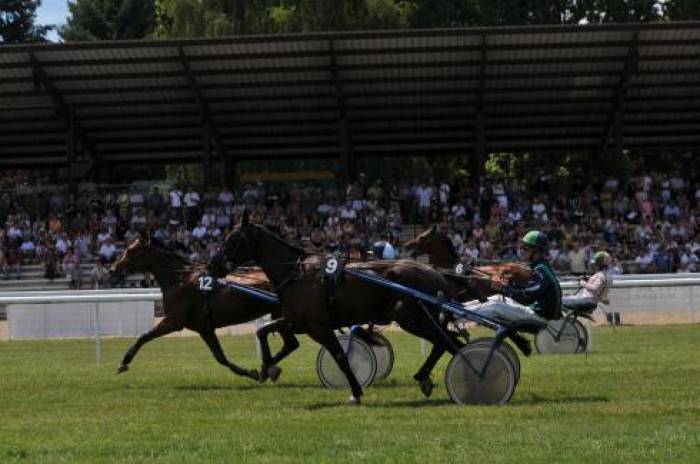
{"points": [[254, 243], [435, 243], [132, 259]]}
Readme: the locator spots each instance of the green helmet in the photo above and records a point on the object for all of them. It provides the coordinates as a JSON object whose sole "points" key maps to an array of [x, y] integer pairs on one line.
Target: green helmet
{"points": [[535, 239], [601, 258]]}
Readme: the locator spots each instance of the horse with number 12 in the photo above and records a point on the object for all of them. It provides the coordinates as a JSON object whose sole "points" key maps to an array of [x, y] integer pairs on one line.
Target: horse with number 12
{"points": [[198, 303]]}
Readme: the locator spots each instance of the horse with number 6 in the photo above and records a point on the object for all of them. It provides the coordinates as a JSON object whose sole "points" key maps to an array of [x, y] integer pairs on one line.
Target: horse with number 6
{"points": [[310, 306], [479, 282], [194, 301]]}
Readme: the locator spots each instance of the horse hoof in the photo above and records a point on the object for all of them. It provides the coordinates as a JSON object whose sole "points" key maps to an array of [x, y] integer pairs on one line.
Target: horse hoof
{"points": [[253, 374], [122, 368], [426, 387], [354, 401], [274, 373]]}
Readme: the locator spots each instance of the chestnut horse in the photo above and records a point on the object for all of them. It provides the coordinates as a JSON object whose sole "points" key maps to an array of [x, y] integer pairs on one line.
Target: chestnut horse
{"points": [[311, 306], [186, 306]]}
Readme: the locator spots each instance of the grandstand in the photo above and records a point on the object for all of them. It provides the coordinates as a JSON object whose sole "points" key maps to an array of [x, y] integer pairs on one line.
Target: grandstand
{"points": [[86, 108]]}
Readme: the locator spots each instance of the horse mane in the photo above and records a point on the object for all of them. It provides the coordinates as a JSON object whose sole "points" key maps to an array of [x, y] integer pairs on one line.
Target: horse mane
{"points": [[297, 249], [174, 259]]}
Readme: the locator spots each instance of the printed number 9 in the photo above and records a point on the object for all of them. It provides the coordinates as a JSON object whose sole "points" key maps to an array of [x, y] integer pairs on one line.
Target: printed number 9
{"points": [[205, 284], [459, 269], [331, 266]]}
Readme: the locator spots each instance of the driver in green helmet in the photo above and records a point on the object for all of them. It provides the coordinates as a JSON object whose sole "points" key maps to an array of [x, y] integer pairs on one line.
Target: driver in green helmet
{"points": [[542, 293]]}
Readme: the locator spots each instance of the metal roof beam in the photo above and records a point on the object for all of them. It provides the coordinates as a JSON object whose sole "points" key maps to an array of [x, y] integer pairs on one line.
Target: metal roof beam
{"points": [[63, 109], [346, 148], [615, 121], [209, 129]]}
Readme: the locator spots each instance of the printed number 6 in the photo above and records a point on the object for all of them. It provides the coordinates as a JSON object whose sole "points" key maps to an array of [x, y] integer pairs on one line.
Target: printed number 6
{"points": [[331, 266], [459, 269], [205, 284]]}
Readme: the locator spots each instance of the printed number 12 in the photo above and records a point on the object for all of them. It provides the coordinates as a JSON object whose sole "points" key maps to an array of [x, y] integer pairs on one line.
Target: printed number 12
{"points": [[205, 284]]}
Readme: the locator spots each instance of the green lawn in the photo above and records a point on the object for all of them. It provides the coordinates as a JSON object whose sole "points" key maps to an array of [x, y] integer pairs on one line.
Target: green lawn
{"points": [[636, 399]]}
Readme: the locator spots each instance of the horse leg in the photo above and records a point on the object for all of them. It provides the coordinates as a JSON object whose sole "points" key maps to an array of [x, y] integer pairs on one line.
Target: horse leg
{"points": [[164, 327], [423, 374], [212, 342], [428, 328], [269, 367], [290, 345], [327, 338]]}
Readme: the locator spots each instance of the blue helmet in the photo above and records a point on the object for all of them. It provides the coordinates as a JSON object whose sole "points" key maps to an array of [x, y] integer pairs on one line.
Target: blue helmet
{"points": [[384, 250]]}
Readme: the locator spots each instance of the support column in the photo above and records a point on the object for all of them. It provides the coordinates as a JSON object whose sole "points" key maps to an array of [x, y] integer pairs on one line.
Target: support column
{"points": [[70, 152], [347, 155], [206, 157], [619, 134], [479, 158], [229, 172]]}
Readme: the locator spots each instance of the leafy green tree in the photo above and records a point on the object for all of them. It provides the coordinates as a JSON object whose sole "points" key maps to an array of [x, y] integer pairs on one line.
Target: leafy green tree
{"points": [[620, 11], [109, 20], [18, 22], [682, 10]]}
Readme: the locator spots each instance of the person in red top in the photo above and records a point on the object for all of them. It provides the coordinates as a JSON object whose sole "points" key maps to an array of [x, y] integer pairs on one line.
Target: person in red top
{"points": [[71, 266], [13, 262]]}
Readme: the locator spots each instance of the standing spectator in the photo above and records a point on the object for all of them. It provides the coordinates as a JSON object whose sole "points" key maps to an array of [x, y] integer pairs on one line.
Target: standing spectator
{"points": [[192, 200], [50, 261], [98, 275], [13, 263], [176, 203], [578, 257], [71, 266]]}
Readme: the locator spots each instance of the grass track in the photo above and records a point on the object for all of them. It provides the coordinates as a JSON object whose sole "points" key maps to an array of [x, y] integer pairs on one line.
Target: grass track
{"points": [[636, 399]]}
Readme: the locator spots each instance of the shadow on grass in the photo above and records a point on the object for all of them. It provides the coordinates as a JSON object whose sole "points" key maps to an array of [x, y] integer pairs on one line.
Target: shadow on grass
{"points": [[532, 398], [424, 403], [247, 387]]}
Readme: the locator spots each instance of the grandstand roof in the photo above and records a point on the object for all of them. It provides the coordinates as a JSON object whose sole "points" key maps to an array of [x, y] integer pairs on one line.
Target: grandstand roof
{"points": [[390, 92]]}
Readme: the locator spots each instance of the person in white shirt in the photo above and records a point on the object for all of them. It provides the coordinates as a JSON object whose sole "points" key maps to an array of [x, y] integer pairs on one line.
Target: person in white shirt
{"points": [[192, 200], [27, 247], [102, 236], [175, 198], [597, 287], [107, 251], [444, 194], [14, 232], [226, 197], [458, 212], [62, 245], [347, 211], [199, 232]]}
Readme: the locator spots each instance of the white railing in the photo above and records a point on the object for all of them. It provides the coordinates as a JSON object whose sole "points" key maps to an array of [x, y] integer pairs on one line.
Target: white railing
{"points": [[646, 293]]}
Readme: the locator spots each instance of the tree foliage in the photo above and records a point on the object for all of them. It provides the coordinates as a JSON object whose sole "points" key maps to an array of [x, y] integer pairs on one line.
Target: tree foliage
{"points": [[109, 20], [18, 22]]}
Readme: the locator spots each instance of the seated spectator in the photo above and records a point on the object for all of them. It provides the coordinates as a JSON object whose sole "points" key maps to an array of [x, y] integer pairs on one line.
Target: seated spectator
{"points": [[226, 197], [27, 249], [107, 251]]}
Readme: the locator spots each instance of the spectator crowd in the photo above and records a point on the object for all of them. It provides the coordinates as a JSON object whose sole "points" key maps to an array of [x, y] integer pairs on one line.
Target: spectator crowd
{"points": [[649, 222]]}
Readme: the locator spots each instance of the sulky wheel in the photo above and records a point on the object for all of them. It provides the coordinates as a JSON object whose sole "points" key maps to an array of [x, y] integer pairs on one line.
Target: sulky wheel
{"points": [[384, 353], [362, 360], [507, 350], [559, 337], [466, 384], [582, 337]]}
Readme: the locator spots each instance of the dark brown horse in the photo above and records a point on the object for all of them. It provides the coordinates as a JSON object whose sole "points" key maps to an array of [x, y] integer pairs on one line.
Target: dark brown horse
{"points": [[484, 280], [186, 306], [311, 306]]}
